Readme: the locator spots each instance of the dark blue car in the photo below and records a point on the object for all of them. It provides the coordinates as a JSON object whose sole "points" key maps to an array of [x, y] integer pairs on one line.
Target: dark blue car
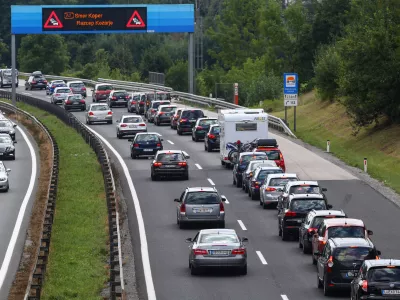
{"points": [[211, 139], [146, 144], [54, 84]]}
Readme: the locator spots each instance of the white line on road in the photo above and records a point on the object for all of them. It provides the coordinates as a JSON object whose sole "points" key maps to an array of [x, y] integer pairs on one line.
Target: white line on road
{"points": [[210, 181], [25, 93], [151, 293], [170, 142], [198, 166], [284, 297], [261, 257], [242, 225], [21, 214]]}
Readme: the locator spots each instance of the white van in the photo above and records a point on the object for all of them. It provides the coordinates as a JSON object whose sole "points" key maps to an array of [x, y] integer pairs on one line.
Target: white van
{"points": [[6, 77], [240, 126]]}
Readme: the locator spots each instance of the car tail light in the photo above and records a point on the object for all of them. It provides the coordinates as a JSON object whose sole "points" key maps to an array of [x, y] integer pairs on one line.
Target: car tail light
{"points": [[221, 207], [183, 120], [142, 125], [153, 110], [364, 285], [141, 102], [135, 145], [83, 89], [240, 251], [127, 97], [330, 264], [82, 101], [200, 252], [290, 214], [158, 145], [176, 117], [91, 114], [33, 81], [269, 189], [211, 136], [124, 125], [67, 102], [97, 92], [114, 98], [109, 113], [133, 102], [161, 113], [157, 164], [53, 86], [199, 128], [57, 95], [182, 164], [182, 209], [311, 229]]}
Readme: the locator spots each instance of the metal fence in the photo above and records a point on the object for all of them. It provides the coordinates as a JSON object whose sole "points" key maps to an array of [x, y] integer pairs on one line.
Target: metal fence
{"points": [[116, 287]]}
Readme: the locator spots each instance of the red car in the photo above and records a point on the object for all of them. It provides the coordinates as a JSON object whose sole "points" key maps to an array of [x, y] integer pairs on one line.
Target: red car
{"points": [[101, 92], [270, 147]]}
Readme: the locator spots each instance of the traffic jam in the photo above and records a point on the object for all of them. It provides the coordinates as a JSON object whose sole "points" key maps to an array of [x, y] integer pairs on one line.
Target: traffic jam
{"points": [[7, 149]]}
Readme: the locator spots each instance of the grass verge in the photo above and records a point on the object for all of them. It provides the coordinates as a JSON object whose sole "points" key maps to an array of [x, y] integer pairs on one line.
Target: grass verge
{"points": [[319, 121], [78, 266]]}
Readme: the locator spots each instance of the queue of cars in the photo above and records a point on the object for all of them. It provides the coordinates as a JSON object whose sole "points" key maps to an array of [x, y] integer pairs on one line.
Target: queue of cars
{"points": [[7, 149]]}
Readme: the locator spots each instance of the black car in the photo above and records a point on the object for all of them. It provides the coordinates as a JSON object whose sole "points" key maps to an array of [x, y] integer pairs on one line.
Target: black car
{"points": [[75, 101], [36, 81], [170, 163], [201, 128], [377, 279], [145, 144], [294, 210], [211, 139], [117, 98], [7, 149], [340, 262], [188, 119], [240, 166]]}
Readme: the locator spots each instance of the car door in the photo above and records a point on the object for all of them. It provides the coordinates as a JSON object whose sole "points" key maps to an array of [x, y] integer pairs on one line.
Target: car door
{"points": [[322, 261], [180, 201], [193, 244], [304, 226]]}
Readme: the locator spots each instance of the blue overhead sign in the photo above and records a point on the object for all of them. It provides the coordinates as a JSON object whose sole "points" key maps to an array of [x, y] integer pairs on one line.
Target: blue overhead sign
{"points": [[290, 83], [75, 19]]}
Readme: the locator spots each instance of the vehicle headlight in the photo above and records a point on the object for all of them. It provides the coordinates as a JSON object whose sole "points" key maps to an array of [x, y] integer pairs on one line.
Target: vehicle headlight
{"points": [[10, 148], [3, 178]]}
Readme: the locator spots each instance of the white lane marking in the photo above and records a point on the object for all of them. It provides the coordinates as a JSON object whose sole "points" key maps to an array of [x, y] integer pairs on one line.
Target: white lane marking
{"points": [[210, 181], [284, 297], [25, 93], [198, 166], [170, 142], [242, 225], [151, 293], [261, 257], [21, 214]]}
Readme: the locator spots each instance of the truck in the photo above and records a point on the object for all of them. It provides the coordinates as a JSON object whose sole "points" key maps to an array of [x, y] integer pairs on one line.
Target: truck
{"points": [[6, 77], [244, 125]]}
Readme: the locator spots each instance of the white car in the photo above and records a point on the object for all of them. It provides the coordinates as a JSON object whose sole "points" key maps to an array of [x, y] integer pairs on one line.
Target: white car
{"points": [[130, 125], [60, 94], [4, 184]]}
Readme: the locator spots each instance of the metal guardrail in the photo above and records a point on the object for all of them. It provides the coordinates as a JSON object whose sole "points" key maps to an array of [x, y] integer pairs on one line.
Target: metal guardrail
{"points": [[274, 122], [116, 286]]}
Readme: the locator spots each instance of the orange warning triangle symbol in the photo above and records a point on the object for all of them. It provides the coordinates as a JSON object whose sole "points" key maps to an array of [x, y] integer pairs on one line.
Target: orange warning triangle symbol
{"points": [[135, 21], [53, 21]]}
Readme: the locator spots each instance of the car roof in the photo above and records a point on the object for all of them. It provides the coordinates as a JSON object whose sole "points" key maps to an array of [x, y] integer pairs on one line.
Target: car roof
{"points": [[214, 125], [194, 109], [201, 189], [382, 262], [344, 221], [267, 168], [100, 84], [121, 91], [99, 104], [127, 116], [304, 196], [300, 182], [327, 212], [76, 81], [282, 175], [216, 231], [260, 161], [170, 151], [145, 133], [349, 242], [252, 153]]}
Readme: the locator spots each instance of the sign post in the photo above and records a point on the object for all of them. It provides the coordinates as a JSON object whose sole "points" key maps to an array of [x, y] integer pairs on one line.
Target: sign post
{"points": [[290, 93], [236, 97]]}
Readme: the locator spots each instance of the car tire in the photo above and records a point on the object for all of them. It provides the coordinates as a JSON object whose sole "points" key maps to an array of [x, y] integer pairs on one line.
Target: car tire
{"points": [[264, 206], [284, 235], [327, 290], [179, 132], [253, 196], [193, 138], [8, 187], [319, 283], [221, 224], [238, 183], [13, 158], [153, 177], [196, 139], [306, 249], [222, 163], [194, 271], [279, 230], [300, 245], [26, 88], [314, 261], [83, 109], [186, 176], [109, 122], [243, 270], [209, 148], [182, 225], [119, 135], [205, 147]]}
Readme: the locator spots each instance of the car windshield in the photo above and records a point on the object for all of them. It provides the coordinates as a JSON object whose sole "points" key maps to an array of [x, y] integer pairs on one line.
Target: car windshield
{"points": [[5, 139], [132, 120], [63, 91], [346, 231], [281, 181], [208, 122], [166, 157], [164, 96], [58, 82], [168, 109], [104, 88], [5, 124], [264, 173], [247, 158], [120, 94], [75, 97], [318, 220], [305, 189], [136, 97], [192, 114], [272, 154], [385, 274], [99, 108], [302, 205], [77, 85], [202, 198], [353, 254], [38, 77], [147, 138], [216, 130], [213, 238]]}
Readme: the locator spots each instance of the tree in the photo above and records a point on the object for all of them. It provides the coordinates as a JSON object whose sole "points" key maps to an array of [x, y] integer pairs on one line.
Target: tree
{"points": [[177, 76], [155, 60]]}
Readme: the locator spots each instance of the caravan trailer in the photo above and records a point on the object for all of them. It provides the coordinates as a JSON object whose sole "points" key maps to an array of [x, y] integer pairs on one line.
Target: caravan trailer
{"points": [[6, 78]]}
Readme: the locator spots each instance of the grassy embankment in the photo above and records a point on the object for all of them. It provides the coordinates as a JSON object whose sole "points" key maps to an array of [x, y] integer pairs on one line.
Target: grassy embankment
{"points": [[78, 256], [319, 121]]}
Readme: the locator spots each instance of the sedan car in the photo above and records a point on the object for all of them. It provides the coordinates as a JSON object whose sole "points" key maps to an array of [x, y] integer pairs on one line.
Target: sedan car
{"points": [[170, 163], [211, 139], [216, 248], [260, 174], [145, 144], [130, 125], [4, 184], [164, 114], [77, 87], [53, 85], [60, 94], [7, 149], [272, 188], [75, 101], [188, 119], [201, 128], [118, 98], [8, 127], [99, 112], [36, 81]]}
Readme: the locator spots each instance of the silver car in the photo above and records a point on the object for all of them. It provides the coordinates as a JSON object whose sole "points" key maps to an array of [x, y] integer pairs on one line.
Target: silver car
{"points": [[200, 205], [99, 112], [273, 187], [216, 248], [7, 126], [60, 94], [249, 172], [77, 87], [4, 184], [7, 149]]}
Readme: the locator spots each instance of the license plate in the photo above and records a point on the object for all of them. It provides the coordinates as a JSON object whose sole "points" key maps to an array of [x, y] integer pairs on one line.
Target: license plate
{"points": [[132, 126], [192, 121], [391, 292], [352, 274], [170, 166], [147, 150], [202, 210], [218, 252], [76, 103]]}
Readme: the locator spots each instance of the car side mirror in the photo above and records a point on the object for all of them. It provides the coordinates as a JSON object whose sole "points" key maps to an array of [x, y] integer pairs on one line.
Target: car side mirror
{"points": [[15, 142], [329, 206], [189, 240], [245, 240], [177, 200], [378, 252], [8, 171], [162, 140], [223, 198], [15, 125], [370, 232], [324, 189], [187, 156]]}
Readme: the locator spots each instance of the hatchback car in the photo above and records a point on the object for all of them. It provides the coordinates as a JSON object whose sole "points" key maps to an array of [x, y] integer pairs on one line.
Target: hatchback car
{"points": [[135, 97], [101, 92], [53, 85], [201, 128], [260, 174], [60, 94], [272, 188], [270, 147], [211, 139], [75, 101], [99, 112], [241, 164], [377, 278], [175, 118], [130, 125], [145, 144], [169, 163], [6, 126], [7, 149], [248, 173], [200, 205], [36, 81], [217, 248], [188, 119], [164, 114], [77, 87], [340, 262], [152, 111], [4, 184], [118, 98]]}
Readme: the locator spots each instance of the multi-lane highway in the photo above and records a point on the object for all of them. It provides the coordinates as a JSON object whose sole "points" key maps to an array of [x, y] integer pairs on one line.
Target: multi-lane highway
{"points": [[276, 269], [15, 207]]}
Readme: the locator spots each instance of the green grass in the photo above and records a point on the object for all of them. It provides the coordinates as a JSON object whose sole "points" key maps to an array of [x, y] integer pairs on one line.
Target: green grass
{"points": [[77, 267], [319, 121]]}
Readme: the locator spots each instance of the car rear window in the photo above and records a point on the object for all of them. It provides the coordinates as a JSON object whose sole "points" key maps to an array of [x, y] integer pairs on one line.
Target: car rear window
{"points": [[58, 82], [208, 122], [318, 220], [147, 138], [168, 109], [169, 157], [305, 189], [75, 97], [303, 205], [346, 231], [38, 77], [136, 97], [264, 173], [353, 254], [192, 114], [77, 85], [280, 181], [272, 154], [104, 88], [65, 91], [247, 158], [99, 108], [216, 129], [212, 238], [385, 274], [132, 120], [164, 96], [119, 94], [202, 198]]}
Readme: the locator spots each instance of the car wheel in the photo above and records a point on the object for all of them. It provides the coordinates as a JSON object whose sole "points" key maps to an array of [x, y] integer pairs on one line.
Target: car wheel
{"points": [[13, 158], [279, 230], [193, 138], [196, 139], [253, 196], [8, 187], [306, 248], [300, 245], [209, 148], [238, 183], [246, 189], [234, 181], [179, 132], [153, 177], [205, 147], [110, 122], [265, 206], [319, 283], [314, 261], [243, 270], [194, 271], [327, 290], [26, 88], [119, 135], [89, 122], [186, 176], [82, 109], [182, 225], [221, 224], [284, 235], [222, 163]]}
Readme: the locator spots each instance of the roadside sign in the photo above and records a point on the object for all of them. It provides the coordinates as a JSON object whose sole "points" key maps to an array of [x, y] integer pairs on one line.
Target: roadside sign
{"points": [[290, 89], [290, 99]]}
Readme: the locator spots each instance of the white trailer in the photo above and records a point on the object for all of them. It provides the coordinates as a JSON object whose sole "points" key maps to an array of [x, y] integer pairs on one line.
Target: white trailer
{"points": [[6, 78], [240, 126]]}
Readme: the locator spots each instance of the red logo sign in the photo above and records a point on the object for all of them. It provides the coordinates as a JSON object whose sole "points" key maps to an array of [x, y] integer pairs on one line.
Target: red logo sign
{"points": [[135, 21], [53, 21]]}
